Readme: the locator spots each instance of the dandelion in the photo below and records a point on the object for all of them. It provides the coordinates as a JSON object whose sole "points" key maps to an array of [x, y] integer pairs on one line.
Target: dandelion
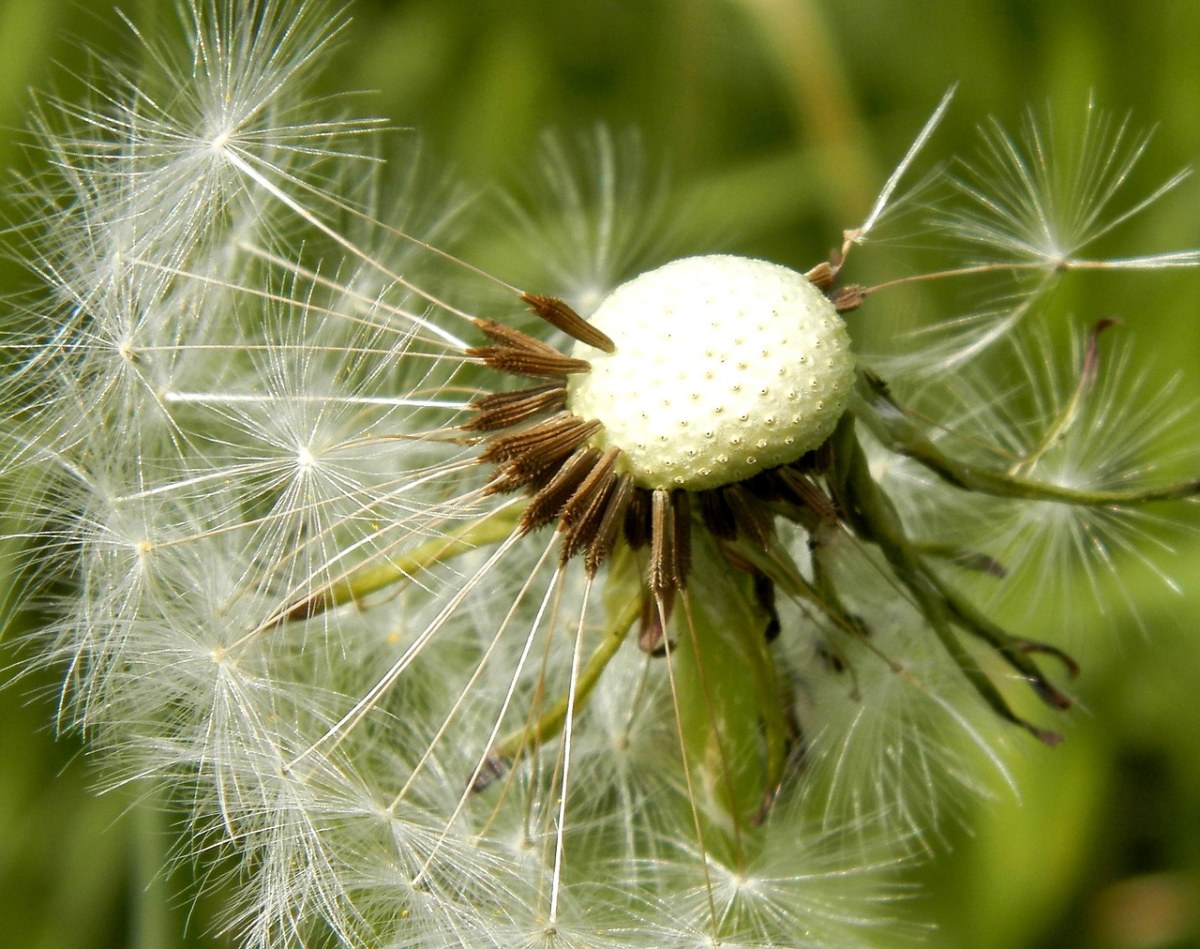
{"points": [[473, 626]]}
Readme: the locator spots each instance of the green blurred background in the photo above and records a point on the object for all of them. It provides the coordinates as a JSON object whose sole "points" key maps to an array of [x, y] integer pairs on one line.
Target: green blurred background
{"points": [[779, 119]]}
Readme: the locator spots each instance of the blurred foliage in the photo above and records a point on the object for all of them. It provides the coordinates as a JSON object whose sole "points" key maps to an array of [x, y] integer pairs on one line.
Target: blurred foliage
{"points": [[779, 119]]}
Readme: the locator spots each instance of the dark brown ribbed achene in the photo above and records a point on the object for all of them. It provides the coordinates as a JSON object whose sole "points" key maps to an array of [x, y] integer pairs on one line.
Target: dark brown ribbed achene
{"points": [[717, 516], [847, 298], [502, 409], [804, 491], [531, 456], [559, 314], [592, 490], [608, 530], [670, 541], [582, 515], [754, 520], [637, 519], [520, 353], [548, 503]]}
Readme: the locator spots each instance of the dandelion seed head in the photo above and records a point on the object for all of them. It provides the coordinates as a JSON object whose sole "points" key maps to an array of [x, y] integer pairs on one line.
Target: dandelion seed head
{"points": [[723, 367], [634, 654]]}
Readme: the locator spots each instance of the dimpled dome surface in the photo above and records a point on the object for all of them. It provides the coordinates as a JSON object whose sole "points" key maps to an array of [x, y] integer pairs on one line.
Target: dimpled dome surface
{"points": [[724, 366]]}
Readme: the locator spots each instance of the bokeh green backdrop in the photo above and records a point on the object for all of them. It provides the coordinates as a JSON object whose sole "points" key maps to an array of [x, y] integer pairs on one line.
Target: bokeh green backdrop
{"points": [[779, 119]]}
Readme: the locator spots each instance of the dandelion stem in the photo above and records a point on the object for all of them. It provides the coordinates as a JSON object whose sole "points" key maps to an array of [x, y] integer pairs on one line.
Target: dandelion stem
{"points": [[363, 582], [1070, 413], [513, 746], [877, 520], [1015, 650], [889, 423]]}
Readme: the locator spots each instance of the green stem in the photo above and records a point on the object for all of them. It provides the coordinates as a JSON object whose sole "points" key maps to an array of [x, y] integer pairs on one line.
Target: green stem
{"points": [[877, 519], [551, 723], [897, 432], [374, 577], [1014, 649]]}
